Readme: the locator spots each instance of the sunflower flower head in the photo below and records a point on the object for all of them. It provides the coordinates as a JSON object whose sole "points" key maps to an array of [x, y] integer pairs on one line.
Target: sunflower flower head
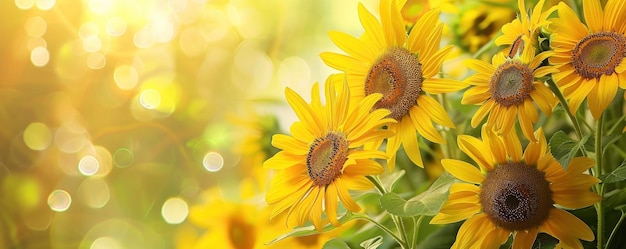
{"points": [[324, 157], [590, 55], [515, 192], [384, 60], [527, 25], [508, 89], [478, 23]]}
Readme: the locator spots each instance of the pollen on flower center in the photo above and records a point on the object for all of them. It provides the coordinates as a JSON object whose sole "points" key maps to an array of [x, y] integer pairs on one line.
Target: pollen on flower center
{"points": [[598, 53], [511, 83], [398, 76], [326, 158], [516, 196]]}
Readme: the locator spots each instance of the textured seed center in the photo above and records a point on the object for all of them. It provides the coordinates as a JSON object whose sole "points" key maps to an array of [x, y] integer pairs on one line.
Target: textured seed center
{"points": [[397, 75], [598, 53], [241, 234], [516, 196], [326, 158], [511, 83]]}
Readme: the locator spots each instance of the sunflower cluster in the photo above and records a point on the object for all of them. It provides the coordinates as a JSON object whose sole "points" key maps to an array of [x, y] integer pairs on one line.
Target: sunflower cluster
{"points": [[391, 99]]}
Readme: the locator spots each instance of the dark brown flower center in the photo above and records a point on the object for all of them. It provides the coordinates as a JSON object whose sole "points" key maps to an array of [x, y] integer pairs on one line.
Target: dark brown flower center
{"points": [[511, 83], [241, 233], [326, 158], [598, 53], [398, 76], [516, 196]]}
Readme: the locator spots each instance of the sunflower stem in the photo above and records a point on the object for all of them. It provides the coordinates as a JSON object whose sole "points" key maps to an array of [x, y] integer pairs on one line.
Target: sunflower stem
{"points": [[599, 188], [416, 227], [579, 133], [384, 228], [402, 239]]}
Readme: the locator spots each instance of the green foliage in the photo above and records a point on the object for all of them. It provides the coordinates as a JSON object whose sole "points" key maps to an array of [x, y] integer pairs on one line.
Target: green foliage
{"points": [[336, 244], [619, 174], [427, 203], [563, 148]]}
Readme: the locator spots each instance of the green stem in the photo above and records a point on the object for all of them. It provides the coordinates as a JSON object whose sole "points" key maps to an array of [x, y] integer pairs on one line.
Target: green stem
{"points": [[402, 239], [416, 227], [599, 188], [384, 228], [579, 133], [619, 222]]}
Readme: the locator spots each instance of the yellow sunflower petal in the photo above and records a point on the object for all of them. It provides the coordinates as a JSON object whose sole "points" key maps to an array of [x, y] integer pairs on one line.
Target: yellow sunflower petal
{"points": [[593, 15], [408, 137], [480, 66], [569, 17], [426, 22], [315, 214], [299, 131], [393, 144], [513, 146], [472, 231], [602, 95], [567, 228], [436, 112], [424, 125], [579, 164], [463, 171], [477, 151], [330, 202], [291, 145], [439, 85], [372, 27], [282, 160], [614, 13], [353, 46], [525, 120], [574, 198], [364, 167], [343, 62], [345, 197], [482, 111], [524, 238], [450, 214], [582, 91], [431, 65], [356, 182], [304, 112], [476, 95], [495, 238]]}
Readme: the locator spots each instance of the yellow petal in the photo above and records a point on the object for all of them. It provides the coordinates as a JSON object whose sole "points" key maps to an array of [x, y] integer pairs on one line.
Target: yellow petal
{"points": [[290, 144], [524, 238], [602, 95], [436, 112], [462, 170], [408, 137], [424, 125], [442, 85], [372, 27], [282, 160], [495, 238], [477, 150], [345, 197], [567, 228], [331, 204], [593, 15]]}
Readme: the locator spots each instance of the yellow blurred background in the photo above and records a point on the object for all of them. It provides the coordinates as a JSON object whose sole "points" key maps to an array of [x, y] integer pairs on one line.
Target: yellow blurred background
{"points": [[118, 115]]}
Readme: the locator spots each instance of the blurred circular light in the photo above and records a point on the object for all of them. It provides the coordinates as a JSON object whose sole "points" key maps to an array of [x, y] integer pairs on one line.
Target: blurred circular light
{"points": [[88, 165], [88, 29], [253, 69], [213, 162], [162, 30], [150, 99], [192, 42], [24, 4], [105, 243], [143, 38], [39, 56], [116, 26], [35, 42], [45, 4], [96, 61], [174, 210], [36, 26], [59, 200], [125, 77], [100, 6], [92, 43], [37, 136], [94, 192], [294, 72], [123, 158]]}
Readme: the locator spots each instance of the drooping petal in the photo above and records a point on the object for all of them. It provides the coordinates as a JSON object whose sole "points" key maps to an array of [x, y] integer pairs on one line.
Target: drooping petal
{"points": [[462, 170]]}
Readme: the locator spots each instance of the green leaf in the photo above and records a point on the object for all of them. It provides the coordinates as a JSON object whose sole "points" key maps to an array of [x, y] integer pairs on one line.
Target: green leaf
{"points": [[390, 180], [619, 174], [310, 230], [563, 148], [336, 243], [427, 203], [372, 243]]}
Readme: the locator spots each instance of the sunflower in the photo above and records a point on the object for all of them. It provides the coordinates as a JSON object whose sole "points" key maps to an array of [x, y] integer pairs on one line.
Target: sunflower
{"points": [[324, 157], [590, 57], [221, 223], [525, 26], [506, 90], [514, 192], [384, 60], [478, 23]]}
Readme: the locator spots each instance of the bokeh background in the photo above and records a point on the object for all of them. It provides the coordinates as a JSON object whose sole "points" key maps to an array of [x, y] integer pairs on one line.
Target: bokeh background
{"points": [[122, 119]]}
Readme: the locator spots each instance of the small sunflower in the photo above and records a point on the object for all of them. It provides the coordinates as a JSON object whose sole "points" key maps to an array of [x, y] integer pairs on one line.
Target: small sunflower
{"points": [[506, 90], [525, 26], [324, 157], [514, 192], [478, 23], [384, 60], [590, 57]]}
